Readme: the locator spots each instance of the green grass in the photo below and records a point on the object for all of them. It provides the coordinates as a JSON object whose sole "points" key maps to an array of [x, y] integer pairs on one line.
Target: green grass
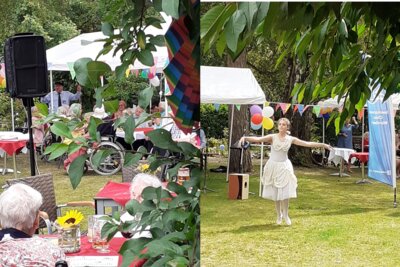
{"points": [[91, 183], [335, 222]]}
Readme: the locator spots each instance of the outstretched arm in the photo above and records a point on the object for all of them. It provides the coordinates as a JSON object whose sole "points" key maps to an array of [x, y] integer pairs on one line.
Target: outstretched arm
{"points": [[254, 139], [299, 142]]}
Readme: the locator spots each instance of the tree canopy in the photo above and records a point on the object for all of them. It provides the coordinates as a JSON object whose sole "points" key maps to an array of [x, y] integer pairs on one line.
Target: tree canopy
{"points": [[344, 46]]}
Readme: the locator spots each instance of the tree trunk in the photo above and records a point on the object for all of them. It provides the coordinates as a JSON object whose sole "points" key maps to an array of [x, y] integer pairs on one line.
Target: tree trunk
{"points": [[240, 125], [301, 125]]}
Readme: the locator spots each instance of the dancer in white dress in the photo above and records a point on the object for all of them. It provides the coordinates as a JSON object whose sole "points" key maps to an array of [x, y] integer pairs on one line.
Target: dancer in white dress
{"points": [[279, 181]]}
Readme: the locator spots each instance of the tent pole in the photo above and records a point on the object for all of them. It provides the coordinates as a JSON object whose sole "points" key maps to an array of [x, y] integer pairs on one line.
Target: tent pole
{"points": [[362, 133], [12, 115], [229, 143], [51, 90], [262, 159]]}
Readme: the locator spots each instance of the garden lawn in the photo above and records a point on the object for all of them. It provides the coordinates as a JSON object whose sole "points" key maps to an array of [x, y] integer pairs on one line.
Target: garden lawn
{"points": [[91, 183], [335, 222]]}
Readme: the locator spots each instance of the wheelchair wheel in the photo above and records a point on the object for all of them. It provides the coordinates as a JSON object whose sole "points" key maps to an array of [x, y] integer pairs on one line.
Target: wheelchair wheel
{"points": [[112, 163]]}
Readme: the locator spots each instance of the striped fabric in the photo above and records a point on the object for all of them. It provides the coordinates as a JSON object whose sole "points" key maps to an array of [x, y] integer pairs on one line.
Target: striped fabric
{"points": [[183, 74]]}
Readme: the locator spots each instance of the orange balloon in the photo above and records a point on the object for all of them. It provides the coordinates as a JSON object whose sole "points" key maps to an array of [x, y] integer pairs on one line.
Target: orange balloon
{"points": [[257, 118]]}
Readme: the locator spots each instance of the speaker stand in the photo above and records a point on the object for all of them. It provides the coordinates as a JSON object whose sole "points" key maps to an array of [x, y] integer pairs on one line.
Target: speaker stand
{"points": [[28, 102]]}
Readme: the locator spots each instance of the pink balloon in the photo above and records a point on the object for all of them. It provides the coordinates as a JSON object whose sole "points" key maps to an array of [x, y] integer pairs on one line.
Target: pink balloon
{"points": [[255, 109]]}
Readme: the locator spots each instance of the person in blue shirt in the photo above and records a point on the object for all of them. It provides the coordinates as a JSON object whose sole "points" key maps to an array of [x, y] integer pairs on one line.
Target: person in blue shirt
{"points": [[61, 97], [345, 136]]}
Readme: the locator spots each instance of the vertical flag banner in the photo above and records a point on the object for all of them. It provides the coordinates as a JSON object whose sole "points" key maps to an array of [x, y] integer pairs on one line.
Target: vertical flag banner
{"points": [[381, 164]]}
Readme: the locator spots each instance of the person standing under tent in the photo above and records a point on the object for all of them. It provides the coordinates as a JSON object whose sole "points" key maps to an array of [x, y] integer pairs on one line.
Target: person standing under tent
{"points": [[279, 181], [345, 137], [61, 97]]}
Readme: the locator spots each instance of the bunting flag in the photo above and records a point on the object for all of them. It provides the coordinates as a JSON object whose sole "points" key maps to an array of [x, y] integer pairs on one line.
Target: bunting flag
{"points": [[277, 106], [285, 107], [317, 110], [71, 69], [295, 109], [183, 72], [216, 106], [301, 109], [266, 103], [237, 107], [361, 114]]}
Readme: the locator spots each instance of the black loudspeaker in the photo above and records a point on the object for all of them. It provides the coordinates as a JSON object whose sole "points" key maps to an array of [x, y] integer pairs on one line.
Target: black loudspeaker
{"points": [[26, 66]]}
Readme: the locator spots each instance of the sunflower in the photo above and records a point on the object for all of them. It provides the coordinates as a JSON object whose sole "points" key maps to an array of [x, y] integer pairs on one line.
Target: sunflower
{"points": [[71, 218]]}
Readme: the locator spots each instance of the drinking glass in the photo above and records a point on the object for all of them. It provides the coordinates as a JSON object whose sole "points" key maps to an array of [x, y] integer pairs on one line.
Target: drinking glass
{"points": [[100, 243], [91, 220]]}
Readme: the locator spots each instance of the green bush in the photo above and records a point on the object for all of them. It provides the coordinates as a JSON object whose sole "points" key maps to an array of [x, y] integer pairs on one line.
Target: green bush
{"points": [[214, 122], [5, 112]]}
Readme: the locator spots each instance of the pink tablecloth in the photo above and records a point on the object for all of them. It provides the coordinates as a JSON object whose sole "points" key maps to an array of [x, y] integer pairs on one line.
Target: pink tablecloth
{"points": [[115, 245]]}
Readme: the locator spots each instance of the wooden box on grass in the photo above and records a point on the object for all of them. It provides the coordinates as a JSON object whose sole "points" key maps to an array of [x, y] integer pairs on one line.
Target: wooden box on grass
{"points": [[238, 186]]}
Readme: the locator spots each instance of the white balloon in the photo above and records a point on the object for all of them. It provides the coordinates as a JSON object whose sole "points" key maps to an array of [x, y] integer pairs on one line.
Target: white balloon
{"points": [[267, 112]]}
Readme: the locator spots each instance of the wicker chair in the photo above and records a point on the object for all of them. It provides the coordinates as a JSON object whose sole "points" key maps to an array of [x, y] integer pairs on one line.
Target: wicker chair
{"points": [[49, 209]]}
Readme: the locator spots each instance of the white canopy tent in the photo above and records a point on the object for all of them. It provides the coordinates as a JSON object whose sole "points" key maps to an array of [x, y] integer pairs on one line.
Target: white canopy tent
{"points": [[87, 45], [234, 86]]}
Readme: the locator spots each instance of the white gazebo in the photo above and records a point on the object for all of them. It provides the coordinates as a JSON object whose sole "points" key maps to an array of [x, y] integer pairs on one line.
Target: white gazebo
{"points": [[233, 86]]}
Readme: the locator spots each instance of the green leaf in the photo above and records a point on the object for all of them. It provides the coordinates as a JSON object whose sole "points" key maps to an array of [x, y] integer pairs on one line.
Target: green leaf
{"points": [[141, 39], [42, 108], [343, 29], [249, 10], [99, 156], [129, 127], [96, 69], [146, 57], [82, 75], [92, 128], [111, 106], [132, 158], [75, 171], [162, 138], [107, 29], [73, 147], [158, 40], [145, 97], [234, 28], [171, 7], [120, 70], [58, 151], [60, 129], [220, 45]]}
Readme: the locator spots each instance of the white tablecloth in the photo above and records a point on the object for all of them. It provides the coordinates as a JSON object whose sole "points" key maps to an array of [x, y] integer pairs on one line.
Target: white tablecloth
{"points": [[337, 154], [10, 136], [137, 135]]}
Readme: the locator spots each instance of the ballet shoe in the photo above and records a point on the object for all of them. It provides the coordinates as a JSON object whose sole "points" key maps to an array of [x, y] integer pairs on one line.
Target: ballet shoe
{"points": [[279, 220], [288, 221]]}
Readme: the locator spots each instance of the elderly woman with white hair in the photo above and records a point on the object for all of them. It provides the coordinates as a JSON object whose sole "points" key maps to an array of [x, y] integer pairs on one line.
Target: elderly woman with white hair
{"points": [[19, 219], [138, 184]]}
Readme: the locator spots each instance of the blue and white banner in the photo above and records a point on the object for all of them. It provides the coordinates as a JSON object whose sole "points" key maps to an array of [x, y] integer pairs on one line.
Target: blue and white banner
{"points": [[382, 153]]}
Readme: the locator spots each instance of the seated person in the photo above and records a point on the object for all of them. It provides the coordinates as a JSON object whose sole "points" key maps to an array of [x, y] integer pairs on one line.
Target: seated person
{"points": [[120, 112], [38, 129], [19, 217], [200, 136], [138, 184]]}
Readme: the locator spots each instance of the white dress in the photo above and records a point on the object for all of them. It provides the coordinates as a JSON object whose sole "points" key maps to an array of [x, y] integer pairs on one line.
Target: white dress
{"points": [[279, 181]]}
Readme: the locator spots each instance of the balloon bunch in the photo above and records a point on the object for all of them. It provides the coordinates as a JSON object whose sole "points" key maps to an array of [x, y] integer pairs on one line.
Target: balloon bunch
{"points": [[261, 117]]}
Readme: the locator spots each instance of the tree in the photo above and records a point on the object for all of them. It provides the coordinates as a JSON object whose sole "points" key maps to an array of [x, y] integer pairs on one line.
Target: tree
{"points": [[347, 46]]}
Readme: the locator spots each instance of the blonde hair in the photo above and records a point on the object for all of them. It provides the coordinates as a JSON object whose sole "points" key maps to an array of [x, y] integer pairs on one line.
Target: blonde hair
{"points": [[286, 121]]}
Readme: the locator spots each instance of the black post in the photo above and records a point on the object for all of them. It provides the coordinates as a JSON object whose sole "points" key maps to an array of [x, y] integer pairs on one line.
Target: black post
{"points": [[29, 102]]}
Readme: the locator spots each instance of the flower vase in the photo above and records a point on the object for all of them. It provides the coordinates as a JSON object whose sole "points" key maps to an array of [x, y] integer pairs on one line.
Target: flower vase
{"points": [[69, 239]]}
